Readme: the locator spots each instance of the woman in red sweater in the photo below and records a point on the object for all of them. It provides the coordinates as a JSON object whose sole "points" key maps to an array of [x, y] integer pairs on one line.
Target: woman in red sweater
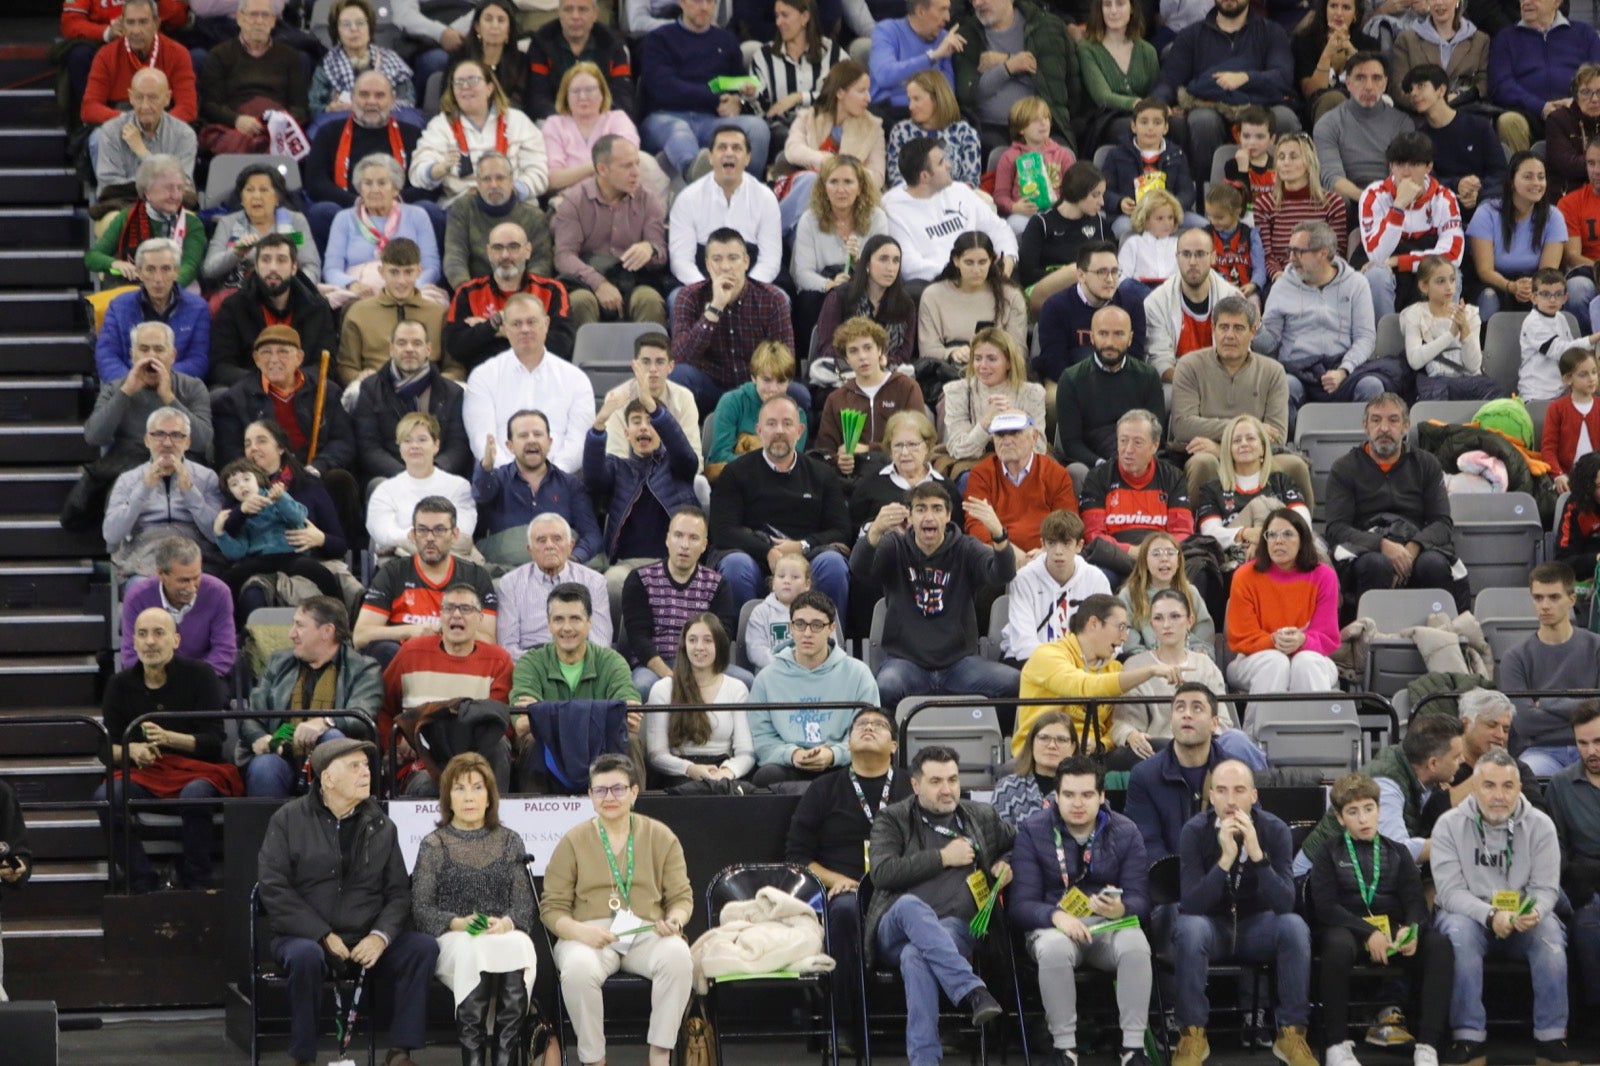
{"points": [[1572, 422], [1283, 615]]}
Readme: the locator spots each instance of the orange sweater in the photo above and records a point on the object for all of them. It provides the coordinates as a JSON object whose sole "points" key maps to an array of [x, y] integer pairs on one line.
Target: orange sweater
{"points": [[1020, 508], [1263, 603]]}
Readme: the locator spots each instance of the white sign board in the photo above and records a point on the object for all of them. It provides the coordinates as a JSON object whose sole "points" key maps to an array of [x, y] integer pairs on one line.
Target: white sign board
{"points": [[541, 820]]}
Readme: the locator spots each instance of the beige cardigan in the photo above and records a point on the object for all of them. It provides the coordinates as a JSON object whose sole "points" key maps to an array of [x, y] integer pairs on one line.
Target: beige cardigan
{"points": [[862, 138], [577, 881]]}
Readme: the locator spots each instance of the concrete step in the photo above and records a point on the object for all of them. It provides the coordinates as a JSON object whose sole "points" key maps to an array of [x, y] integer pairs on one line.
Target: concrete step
{"points": [[38, 268], [33, 313], [43, 227], [60, 780], [32, 443], [74, 888], [33, 490], [32, 145], [45, 399], [45, 353], [53, 685], [43, 630], [40, 536], [69, 834], [32, 107], [39, 185], [45, 584]]}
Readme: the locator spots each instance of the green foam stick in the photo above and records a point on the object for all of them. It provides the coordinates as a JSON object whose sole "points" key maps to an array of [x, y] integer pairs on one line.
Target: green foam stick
{"points": [[732, 83], [851, 424], [1130, 922], [1407, 934]]}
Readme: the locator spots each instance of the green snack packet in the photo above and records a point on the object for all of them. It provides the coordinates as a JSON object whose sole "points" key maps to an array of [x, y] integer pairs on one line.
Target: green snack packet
{"points": [[732, 84], [1033, 180]]}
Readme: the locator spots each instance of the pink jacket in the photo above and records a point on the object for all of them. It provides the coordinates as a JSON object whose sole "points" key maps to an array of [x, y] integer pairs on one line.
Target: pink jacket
{"points": [[1057, 158]]}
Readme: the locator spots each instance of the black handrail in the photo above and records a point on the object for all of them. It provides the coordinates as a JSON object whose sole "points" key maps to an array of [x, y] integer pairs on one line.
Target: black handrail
{"points": [[134, 734], [102, 742], [1515, 694], [1362, 699]]}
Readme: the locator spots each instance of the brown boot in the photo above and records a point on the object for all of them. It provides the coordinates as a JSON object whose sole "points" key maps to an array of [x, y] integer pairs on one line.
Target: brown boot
{"points": [[1192, 1047], [1291, 1048]]}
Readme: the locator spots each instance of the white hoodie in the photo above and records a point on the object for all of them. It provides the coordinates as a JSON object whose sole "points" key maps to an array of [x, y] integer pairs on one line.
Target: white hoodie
{"points": [[927, 228]]}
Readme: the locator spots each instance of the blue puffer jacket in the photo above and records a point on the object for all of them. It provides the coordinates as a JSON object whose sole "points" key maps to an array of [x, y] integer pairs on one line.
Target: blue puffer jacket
{"points": [[668, 474], [191, 331], [1117, 858]]}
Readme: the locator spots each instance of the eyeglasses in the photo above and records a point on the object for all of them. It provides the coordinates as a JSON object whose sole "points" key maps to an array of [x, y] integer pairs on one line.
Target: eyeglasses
{"points": [[1104, 272], [433, 531], [1163, 553], [1300, 251], [1052, 740], [1588, 94], [601, 792], [1281, 534], [168, 436], [472, 81], [1551, 294], [870, 725], [464, 609], [907, 445], [801, 625]]}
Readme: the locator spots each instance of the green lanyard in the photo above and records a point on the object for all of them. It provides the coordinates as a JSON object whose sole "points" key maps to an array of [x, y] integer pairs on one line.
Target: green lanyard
{"points": [[621, 888], [1368, 892]]}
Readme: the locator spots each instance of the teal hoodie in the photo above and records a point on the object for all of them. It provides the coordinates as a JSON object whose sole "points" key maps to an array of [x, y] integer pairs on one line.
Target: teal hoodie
{"points": [[779, 734]]}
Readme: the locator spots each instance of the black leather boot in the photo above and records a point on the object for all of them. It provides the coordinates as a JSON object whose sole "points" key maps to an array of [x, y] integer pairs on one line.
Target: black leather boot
{"points": [[470, 1022], [511, 1015]]}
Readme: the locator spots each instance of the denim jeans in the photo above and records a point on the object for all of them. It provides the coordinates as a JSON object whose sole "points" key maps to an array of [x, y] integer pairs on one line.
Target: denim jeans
{"points": [[1367, 389], [1280, 939], [681, 134], [1586, 950], [898, 678], [932, 954], [1543, 948], [196, 833], [403, 972], [274, 776], [1546, 760], [830, 575]]}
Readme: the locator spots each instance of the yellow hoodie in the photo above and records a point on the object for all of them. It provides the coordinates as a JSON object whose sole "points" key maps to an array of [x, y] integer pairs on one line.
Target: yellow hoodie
{"points": [[1058, 669]]}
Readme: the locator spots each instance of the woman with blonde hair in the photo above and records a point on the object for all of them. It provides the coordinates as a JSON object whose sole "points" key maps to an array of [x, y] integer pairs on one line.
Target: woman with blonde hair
{"points": [[475, 116], [1297, 196], [935, 113], [470, 889], [1158, 564], [995, 383], [837, 124], [586, 112], [1232, 507], [842, 215]]}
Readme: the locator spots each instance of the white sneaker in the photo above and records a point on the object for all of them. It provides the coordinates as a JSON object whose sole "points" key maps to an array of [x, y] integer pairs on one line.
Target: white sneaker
{"points": [[1342, 1055], [1424, 1055]]}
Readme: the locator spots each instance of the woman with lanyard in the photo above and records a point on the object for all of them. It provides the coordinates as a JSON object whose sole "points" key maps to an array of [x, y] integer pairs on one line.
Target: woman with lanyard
{"points": [[617, 896], [829, 835], [1079, 865], [1372, 910]]}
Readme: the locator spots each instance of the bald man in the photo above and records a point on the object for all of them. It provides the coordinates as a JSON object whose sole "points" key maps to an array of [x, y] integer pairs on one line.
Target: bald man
{"points": [[474, 330], [148, 129], [169, 757]]}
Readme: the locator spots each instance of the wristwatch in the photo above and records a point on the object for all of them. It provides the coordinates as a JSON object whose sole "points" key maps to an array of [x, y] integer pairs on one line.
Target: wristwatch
{"points": [[1002, 538]]}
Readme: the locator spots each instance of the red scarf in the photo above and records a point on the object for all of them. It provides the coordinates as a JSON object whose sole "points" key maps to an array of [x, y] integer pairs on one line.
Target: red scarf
{"points": [[501, 145], [155, 50], [341, 156], [137, 228]]}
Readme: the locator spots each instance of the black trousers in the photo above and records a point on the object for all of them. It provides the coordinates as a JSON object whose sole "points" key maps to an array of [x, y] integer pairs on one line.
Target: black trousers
{"points": [[1431, 971]]}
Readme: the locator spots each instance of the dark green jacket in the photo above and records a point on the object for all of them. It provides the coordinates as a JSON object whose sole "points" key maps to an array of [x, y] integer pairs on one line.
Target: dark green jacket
{"points": [[1390, 763], [1057, 79]]}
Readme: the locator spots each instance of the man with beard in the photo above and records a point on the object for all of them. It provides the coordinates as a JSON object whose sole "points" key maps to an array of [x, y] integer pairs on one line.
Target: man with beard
{"points": [[1574, 799], [776, 500], [1177, 313], [157, 299], [404, 598], [146, 130], [450, 664], [529, 375], [493, 202], [1066, 321], [1497, 875], [275, 294], [1231, 59], [932, 574], [369, 322], [523, 620], [409, 382], [474, 330], [1092, 395], [371, 129], [610, 234], [509, 495], [1387, 511], [282, 392]]}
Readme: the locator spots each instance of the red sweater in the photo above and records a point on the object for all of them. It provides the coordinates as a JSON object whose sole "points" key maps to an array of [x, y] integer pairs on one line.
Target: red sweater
{"points": [[1562, 424], [1020, 508], [114, 67], [422, 671], [86, 20]]}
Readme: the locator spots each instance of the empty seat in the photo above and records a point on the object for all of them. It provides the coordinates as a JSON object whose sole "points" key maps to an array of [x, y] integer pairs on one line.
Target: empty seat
{"points": [[1317, 733], [608, 344], [1394, 663], [999, 616], [1499, 536], [972, 729], [1507, 618], [1324, 432]]}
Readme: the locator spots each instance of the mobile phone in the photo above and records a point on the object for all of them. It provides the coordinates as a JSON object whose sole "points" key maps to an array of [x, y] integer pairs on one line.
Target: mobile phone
{"points": [[1111, 892]]}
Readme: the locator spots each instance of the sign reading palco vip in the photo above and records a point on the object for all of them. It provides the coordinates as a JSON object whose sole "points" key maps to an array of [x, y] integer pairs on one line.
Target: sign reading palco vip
{"points": [[541, 820]]}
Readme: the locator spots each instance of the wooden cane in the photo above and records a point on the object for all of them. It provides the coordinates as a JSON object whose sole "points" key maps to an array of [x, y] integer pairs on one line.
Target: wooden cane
{"points": [[316, 417]]}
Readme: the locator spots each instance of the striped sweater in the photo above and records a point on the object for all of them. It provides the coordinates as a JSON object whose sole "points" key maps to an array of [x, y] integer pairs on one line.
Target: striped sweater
{"points": [[1430, 226], [1276, 218]]}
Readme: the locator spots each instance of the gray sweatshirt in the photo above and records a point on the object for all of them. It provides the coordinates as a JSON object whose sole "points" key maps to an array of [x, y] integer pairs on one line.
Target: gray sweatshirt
{"points": [[1470, 859], [1303, 324], [1352, 141]]}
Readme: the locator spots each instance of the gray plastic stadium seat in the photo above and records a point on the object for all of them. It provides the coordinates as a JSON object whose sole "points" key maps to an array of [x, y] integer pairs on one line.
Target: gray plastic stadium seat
{"points": [[1499, 536], [1322, 734], [973, 731], [1395, 663]]}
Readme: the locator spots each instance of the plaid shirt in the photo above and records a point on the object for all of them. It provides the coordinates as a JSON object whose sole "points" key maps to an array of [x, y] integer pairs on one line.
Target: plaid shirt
{"points": [[722, 350]]}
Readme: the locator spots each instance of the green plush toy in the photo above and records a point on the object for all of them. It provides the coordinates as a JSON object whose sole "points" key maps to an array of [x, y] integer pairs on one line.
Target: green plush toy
{"points": [[1507, 416]]}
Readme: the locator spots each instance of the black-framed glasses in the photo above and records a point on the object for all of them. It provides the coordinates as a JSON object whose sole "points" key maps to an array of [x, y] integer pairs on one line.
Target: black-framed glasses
{"points": [[802, 625], [601, 792]]}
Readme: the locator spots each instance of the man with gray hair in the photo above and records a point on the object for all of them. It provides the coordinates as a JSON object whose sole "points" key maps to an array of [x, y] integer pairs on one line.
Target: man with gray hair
{"points": [[126, 403], [159, 298], [1139, 494], [370, 129], [466, 250], [1497, 875], [246, 75], [524, 620], [201, 604], [1213, 386], [1318, 321], [1486, 719], [169, 494]]}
